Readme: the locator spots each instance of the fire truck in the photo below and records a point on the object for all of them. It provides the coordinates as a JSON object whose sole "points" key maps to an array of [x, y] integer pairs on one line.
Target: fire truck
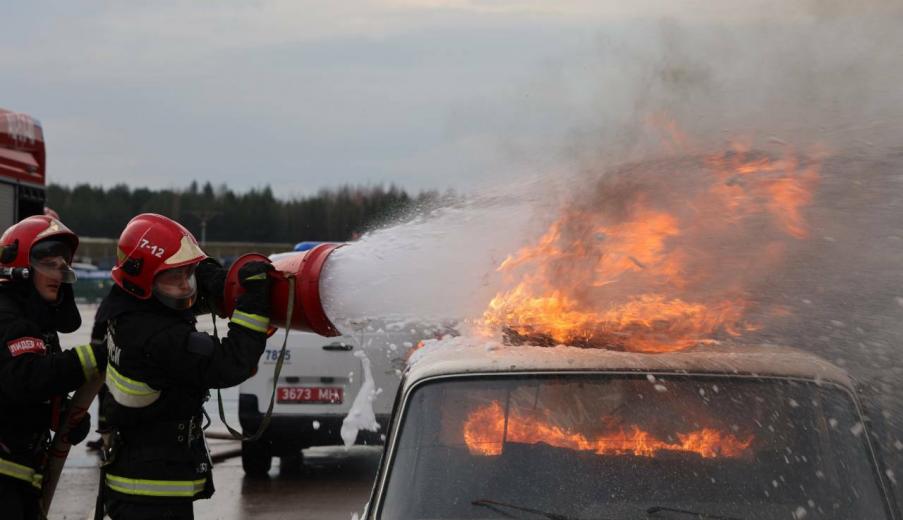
{"points": [[22, 167]]}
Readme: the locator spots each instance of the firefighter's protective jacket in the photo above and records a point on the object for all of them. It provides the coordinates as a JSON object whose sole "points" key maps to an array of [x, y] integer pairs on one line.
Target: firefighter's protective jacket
{"points": [[35, 375], [159, 372]]}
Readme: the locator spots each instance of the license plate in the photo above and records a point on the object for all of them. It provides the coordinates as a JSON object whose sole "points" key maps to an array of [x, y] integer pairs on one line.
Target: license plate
{"points": [[309, 394]]}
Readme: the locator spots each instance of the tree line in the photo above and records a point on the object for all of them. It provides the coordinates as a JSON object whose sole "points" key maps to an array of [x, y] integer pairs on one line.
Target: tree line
{"points": [[257, 215]]}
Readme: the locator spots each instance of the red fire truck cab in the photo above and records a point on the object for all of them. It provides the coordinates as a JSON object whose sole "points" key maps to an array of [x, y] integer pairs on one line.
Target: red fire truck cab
{"points": [[22, 167]]}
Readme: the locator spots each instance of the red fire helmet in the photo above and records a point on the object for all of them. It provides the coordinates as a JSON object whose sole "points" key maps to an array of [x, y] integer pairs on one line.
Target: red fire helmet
{"points": [[149, 244], [17, 241]]}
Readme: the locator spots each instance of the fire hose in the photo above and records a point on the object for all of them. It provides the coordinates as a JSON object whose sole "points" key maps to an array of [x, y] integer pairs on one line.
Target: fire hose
{"points": [[59, 450]]}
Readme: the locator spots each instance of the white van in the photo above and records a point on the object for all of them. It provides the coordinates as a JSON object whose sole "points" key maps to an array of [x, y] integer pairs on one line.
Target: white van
{"points": [[319, 381]]}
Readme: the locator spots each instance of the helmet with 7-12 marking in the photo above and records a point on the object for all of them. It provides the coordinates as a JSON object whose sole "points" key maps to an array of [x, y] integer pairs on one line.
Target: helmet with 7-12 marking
{"points": [[149, 245]]}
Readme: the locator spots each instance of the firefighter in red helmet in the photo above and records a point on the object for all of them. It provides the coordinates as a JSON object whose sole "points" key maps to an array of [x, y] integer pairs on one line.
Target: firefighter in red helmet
{"points": [[161, 368], [35, 374]]}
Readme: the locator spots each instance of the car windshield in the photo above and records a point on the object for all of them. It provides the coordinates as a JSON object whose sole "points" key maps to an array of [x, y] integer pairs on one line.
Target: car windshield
{"points": [[631, 446]]}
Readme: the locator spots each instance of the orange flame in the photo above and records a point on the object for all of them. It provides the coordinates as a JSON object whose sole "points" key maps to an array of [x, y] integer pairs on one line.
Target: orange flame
{"points": [[783, 186], [487, 427], [644, 268]]}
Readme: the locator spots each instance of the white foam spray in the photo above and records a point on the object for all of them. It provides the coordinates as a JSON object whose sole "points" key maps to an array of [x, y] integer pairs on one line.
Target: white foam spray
{"points": [[435, 267], [361, 415]]}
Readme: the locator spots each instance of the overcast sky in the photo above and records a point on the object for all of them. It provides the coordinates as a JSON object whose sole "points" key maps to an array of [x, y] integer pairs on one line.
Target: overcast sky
{"points": [[305, 95]]}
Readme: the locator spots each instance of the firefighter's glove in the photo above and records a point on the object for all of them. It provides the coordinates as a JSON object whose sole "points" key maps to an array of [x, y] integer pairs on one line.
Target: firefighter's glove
{"points": [[254, 278], [81, 430], [211, 278], [254, 274]]}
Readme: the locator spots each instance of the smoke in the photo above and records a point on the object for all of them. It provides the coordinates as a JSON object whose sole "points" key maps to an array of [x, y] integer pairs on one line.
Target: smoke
{"points": [[829, 75], [821, 77], [825, 76]]}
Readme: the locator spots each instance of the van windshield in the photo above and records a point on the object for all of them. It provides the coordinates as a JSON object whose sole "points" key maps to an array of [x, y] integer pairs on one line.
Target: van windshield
{"points": [[631, 446]]}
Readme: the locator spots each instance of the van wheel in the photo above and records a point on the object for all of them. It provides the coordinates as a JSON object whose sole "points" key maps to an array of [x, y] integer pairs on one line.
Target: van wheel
{"points": [[256, 458]]}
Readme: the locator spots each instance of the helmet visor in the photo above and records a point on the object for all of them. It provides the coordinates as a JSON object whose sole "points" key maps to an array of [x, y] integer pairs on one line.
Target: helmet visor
{"points": [[176, 288], [51, 258]]}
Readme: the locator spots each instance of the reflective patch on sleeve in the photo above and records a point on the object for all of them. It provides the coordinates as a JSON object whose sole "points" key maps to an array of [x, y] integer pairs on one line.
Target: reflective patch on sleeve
{"points": [[87, 360], [254, 322], [200, 343], [27, 345]]}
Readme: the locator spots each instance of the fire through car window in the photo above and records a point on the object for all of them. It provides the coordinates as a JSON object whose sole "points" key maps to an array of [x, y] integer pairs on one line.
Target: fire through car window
{"points": [[613, 446]]}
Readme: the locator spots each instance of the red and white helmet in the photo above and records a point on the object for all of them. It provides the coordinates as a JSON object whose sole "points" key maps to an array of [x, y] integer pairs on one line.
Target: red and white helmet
{"points": [[36, 237], [149, 245]]}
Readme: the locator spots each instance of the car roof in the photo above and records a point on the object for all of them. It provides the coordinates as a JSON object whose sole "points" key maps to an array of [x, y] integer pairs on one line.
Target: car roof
{"points": [[461, 356]]}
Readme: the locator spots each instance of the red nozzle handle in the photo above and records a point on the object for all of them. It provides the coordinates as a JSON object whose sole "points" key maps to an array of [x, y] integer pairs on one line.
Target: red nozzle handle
{"points": [[308, 313]]}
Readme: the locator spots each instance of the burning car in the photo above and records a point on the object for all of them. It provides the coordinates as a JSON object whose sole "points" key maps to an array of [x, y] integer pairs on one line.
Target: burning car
{"points": [[496, 431]]}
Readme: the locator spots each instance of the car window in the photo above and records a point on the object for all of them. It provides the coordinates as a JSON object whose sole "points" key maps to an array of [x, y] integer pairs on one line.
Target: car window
{"points": [[614, 446]]}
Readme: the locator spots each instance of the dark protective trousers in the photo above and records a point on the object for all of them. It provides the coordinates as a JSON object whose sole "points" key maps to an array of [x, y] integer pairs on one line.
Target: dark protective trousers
{"points": [[121, 510], [18, 500]]}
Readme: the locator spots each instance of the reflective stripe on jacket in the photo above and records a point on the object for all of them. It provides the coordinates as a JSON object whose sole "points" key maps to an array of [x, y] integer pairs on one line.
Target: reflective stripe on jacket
{"points": [[20, 472], [129, 392], [156, 488]]}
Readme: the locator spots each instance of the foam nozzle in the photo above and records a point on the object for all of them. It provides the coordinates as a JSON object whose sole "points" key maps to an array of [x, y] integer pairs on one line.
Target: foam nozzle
{"points": [[303, 270]]}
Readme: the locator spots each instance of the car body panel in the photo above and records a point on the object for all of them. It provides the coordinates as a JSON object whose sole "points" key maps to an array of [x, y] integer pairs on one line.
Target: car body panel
{"points": [[458, 357]]}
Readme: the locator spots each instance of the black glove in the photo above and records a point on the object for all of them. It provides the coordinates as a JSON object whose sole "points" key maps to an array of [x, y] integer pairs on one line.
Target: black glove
{"points": [[81, 430], [254, 278], [211, 278], [254, 274]]}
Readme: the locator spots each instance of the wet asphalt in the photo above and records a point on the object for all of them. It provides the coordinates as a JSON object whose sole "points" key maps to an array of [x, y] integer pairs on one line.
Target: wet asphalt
{"points": [[331, 484]]}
